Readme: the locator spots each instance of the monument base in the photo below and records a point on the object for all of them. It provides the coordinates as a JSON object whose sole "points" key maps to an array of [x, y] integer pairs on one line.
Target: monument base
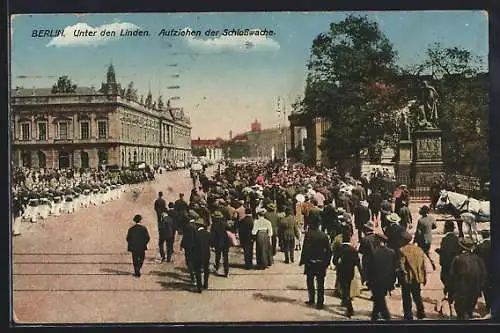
{"points": [[427, 161], [403, 166], [427, 172]]}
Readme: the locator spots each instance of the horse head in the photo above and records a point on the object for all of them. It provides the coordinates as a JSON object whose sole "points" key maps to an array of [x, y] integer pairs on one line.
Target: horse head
{"points": [[443, 201]]}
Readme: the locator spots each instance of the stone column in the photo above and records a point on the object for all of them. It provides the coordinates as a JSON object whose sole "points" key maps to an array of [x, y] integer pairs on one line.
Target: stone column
{"points": [[292, 136]]}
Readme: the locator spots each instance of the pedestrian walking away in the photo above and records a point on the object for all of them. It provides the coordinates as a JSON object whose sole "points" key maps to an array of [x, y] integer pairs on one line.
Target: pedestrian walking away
{"points": [[160, 206], [423, 234], [166, 229], [137, 239], [412, 276], [315, 257], [200, 256], [382, 277]]}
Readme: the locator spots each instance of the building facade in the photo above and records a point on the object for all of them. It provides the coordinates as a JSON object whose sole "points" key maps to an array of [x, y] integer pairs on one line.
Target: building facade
{"points": [[85, 128], [212, 150]]}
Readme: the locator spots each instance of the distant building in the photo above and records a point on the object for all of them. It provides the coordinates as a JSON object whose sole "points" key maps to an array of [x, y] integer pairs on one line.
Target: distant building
{"points": [[86, 128], [211, 149], [255, 126]]}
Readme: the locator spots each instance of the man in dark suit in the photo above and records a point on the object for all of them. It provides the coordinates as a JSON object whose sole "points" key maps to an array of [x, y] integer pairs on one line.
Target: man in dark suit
{"points": [[180, 205], [361, 217], [160, 206], [137, 239], [483, 250], [220, 241], [188, 231], [315, 256], [245, 227], [200, 256], [449, 249], [367, 247], [166, 230], [346, 259], [382, 277]]}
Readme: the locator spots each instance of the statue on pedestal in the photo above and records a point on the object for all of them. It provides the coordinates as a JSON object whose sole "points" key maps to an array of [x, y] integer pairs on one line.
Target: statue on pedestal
{"points": [[404, 125], [428, 113]]}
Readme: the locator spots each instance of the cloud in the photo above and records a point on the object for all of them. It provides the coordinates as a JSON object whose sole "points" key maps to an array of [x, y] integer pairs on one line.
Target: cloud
{"points": [[233, 43], [69, 38]]}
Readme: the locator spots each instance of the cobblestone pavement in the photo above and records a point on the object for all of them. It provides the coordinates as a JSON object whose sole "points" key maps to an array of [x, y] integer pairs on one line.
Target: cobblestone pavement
{"points": [[75, 269]]}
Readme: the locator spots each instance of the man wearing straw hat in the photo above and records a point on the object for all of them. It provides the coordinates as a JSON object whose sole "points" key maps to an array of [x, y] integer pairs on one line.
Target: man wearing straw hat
{"points": [[137, 239]]}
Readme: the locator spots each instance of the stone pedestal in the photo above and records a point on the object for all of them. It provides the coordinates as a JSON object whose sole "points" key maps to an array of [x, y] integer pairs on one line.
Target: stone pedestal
{"points": [[427, 157], [404, 163]]}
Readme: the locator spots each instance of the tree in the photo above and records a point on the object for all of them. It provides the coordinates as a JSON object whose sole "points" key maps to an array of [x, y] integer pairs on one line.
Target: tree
{"points": [[351, 76], [64, 86], [131, 93], [463, 108]]}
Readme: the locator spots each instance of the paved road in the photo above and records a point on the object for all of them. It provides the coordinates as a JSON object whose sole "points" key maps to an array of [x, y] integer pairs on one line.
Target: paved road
{"points": [[75, 269]]}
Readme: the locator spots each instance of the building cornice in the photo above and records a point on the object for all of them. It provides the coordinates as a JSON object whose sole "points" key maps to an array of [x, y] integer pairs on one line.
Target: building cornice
{"points": [[69, 100]]}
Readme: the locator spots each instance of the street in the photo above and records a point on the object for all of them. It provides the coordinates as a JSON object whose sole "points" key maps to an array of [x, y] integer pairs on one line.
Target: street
{"points": [[75, 269]]}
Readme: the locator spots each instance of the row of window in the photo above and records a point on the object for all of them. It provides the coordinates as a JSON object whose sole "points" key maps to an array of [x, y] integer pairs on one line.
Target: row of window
{"points": [[63, 130]]}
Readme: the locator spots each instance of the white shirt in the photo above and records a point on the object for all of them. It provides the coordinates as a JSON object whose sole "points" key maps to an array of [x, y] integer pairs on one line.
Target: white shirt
{"points": [[262, 224]]}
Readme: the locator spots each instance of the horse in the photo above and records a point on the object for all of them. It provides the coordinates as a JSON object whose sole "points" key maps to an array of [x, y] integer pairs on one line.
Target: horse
{"points": [[464, 209]]}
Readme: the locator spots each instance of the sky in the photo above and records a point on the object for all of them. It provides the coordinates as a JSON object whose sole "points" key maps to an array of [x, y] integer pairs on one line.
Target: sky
{"points": [[226, 82]]}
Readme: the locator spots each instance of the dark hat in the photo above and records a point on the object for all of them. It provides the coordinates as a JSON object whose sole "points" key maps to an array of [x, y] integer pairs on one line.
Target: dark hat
{"points": [[466, 243], [369, 226], [137, 218], [425, 209], [407, 237]]}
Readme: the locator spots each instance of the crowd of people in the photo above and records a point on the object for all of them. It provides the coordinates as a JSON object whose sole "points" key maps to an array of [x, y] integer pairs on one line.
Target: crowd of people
{"points": [[286, 208], [38, 193]]}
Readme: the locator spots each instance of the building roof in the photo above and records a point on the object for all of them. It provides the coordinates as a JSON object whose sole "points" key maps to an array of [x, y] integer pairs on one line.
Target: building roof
{"points": [[205, 143], [240, 137], [20, 92]]}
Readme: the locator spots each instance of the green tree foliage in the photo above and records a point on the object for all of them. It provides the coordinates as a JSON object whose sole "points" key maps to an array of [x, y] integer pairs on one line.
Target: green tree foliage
{"points": [[63, 86], [351, 81], [463, 108]]}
